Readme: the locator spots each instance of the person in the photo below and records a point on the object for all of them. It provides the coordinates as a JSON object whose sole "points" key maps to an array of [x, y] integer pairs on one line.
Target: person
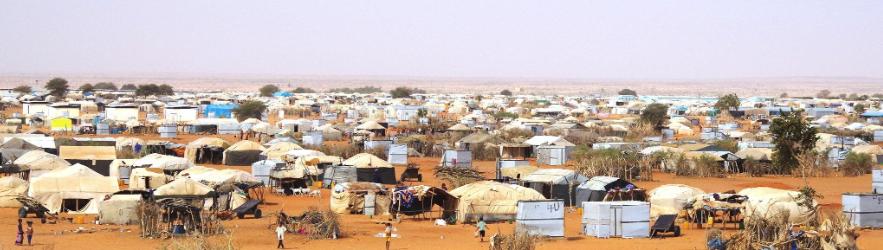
{"points": [[18, 237], [280, 235], [795, 234], [482, 227], [30, 231], [387, 233], [444, 187]]}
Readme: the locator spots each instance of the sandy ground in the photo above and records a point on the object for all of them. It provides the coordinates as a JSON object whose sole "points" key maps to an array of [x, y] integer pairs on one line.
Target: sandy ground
{"points": [[359, 230]]}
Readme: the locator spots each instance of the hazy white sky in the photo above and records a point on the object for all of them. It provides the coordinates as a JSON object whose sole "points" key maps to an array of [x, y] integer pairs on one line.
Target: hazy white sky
{"points": [[542, 39]]}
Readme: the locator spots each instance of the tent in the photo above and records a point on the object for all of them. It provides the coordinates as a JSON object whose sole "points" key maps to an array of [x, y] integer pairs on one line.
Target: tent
{"points": [[626, 219], [759, 154], [39, 162], [359, 197], [206, 149], [144, 179], [672, 198], [596, 188], [219, 110], [183, 187], [277, 150], [370, 168], [168, 164], [243, 153], [97, 158], [491, 200], [120, 209], [16, 147], [74, 188], [517, 172], [555, 183], [10, 188], [261, 170]]}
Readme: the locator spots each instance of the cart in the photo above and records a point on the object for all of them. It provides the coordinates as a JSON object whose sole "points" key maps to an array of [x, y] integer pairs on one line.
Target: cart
{"points": [[412, 172], [29, 205], [249, 207], [665, 224]]}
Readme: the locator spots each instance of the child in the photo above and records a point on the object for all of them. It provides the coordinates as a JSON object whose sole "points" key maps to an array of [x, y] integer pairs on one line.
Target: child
{"points": [[30, 231]]}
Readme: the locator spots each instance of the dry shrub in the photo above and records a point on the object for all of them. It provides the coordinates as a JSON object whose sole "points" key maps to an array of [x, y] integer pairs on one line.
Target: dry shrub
{"points": [[755, 168], [516, 134], [704, 166], [581, 137], [485, 152], [857, 164], [379, 151], [342, 150], [611, 162], [200, 242], [320, 224], [639, 131], [517, 241], [812, 165], [457, 177], [772, 233]]}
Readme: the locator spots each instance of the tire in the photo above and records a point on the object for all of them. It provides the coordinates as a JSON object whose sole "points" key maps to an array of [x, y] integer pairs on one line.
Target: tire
{"points": [[40, 214], [677, 231], [240, 215], [257, 213], [22, 212]]}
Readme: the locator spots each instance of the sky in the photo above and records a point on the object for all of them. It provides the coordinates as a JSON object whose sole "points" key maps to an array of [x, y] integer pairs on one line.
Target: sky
{"points": [[615, 39]]}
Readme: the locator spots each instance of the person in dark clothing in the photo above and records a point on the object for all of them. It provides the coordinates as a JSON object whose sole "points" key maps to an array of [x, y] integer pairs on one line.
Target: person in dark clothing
{"points": [[19, 236]]}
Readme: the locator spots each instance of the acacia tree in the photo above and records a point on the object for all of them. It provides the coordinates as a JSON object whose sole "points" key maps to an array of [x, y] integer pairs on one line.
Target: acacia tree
{"points": [[165, 89], [57, 87], [792, 137], [506, 92], [23, 89], [824, 93], [654, 114], [627, 92], [727, 101], [105, 86], [87, 88], [268, 90], [129, 86], [405, 92], [250, 109]]}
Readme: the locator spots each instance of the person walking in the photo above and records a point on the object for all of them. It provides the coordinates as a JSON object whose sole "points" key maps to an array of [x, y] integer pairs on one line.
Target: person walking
{"points": [[19, 236], [387, 233], [30, 231], [482, 227], [280, 235]]}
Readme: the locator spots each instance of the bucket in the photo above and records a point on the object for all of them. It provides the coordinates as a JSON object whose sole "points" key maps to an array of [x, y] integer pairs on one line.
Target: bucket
{"points": [[710, 221], [79, 219]]}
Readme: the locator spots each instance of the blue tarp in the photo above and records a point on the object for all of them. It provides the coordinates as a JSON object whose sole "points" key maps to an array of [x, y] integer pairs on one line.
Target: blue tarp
{"points": [[219, 110], [873, 114], [282, 94]]}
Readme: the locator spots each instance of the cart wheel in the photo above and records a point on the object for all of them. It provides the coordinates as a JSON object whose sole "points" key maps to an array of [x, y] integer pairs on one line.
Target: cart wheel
{"points": [[43, 220], [257, 213], [22, 212], [41, 214], [677, 231], [653, 233], [240, 215]]}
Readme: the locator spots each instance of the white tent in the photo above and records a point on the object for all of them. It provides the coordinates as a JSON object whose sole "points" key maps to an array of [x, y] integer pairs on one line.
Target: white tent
{"points": [[10, 188], [183, 187], [76, 182], [139, 176]]}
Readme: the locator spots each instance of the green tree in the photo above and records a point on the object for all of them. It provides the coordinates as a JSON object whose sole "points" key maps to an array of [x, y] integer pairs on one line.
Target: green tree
{"points": [[654, 114], [57, 87], [129, 87], [147, 90], [23, 89], [859, 108], [301, 90], [106, 86], [792, 137], [824, 94], [422, 112], [627, 92], [166, 89], [506, 92], [268, 90], [857, 164], [250, 109], [405, 92], [726, 102], [87, 88], [783, 95]]}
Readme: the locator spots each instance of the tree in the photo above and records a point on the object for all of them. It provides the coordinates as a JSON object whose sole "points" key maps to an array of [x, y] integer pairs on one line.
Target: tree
{"points": [[106, 86], [57, 87], [857, 164], [268, 90], [627, 92], [783, 95], [792, 137], [166, 89], [654, 114], [301, 90], [147, 90], [360, 90], [23, 89], [250, 109], [129, 87], [727, 101], [405, 92], [824, 94], [506, 92], [859, 108], [87, 88]]}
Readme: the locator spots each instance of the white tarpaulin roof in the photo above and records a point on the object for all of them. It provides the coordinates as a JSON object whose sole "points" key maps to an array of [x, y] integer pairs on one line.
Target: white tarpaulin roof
{"points": [[73, 182]]}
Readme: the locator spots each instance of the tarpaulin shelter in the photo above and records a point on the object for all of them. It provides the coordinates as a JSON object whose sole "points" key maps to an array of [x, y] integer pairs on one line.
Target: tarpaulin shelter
{"points": [[359, 198], [120, 209], [97, 158], [205, 150], [277, 150], [490, 200], [596, 188], [16, 147], [555, 183], [261, 170], [183, 188], [414, 200], [10, 188], [672, 198], [243, 153], [38, 162], [167, 163], [75, 188], [219, 110], [145, 178], [370, 168]]}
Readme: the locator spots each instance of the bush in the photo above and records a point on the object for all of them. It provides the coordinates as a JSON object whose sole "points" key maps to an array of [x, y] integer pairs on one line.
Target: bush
{"points": [[857, 164], [610, 162]]}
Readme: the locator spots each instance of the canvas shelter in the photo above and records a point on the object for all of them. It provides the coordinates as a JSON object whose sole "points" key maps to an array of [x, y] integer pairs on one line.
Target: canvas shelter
{"points": [[38, 162], [597, 187], [75, 188], [517, 172], [146, 178], [555, 183], [419, 199], [370, 168], [205, 150], [120, 209], [167, 163], [672, 198], [243, 153], [97, 158], [359, 198], [261, 170], [183, 188], [277, 150], [10, 188], [491, 200], [15, 148]]}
